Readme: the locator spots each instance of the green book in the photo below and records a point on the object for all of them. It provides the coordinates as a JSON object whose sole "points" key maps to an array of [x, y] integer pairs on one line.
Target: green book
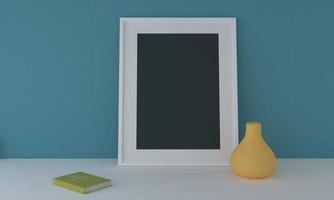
{"points": [[81, 182]]}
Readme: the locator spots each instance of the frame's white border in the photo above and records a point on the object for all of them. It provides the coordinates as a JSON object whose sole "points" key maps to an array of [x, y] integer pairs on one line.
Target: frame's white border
{"points": [[234, 124]]}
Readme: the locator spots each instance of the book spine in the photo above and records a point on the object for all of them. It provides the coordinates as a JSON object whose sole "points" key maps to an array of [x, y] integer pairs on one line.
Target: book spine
{"points": [[69, 186]]}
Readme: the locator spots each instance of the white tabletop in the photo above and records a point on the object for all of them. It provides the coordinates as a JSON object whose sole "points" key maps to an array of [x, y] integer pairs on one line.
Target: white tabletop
{"points": [[295, 179]]}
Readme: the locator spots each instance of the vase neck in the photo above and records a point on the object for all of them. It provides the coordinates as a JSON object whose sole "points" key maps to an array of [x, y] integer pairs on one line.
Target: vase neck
{"points": [[253, 130]]}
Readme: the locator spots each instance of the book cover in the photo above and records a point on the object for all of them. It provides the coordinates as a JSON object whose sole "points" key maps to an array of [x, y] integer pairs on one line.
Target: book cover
{"points": [[82, 182]]}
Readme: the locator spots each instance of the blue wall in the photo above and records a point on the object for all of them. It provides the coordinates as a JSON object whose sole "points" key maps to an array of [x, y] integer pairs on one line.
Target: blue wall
{"points": [[59, 72]]}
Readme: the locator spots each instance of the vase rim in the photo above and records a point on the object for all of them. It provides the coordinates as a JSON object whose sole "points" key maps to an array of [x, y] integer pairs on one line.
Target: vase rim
{"points": [[253, 123]]}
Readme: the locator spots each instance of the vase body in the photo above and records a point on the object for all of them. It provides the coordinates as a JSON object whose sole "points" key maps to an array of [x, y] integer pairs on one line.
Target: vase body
{"points": [[253, 158]]}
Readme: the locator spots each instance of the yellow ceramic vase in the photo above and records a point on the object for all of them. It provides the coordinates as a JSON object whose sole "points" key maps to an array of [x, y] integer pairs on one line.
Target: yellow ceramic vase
{"points": [[253, 158]]}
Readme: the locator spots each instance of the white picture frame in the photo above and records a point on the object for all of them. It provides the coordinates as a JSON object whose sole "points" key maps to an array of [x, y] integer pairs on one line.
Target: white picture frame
{"points": [[128, 155]]}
